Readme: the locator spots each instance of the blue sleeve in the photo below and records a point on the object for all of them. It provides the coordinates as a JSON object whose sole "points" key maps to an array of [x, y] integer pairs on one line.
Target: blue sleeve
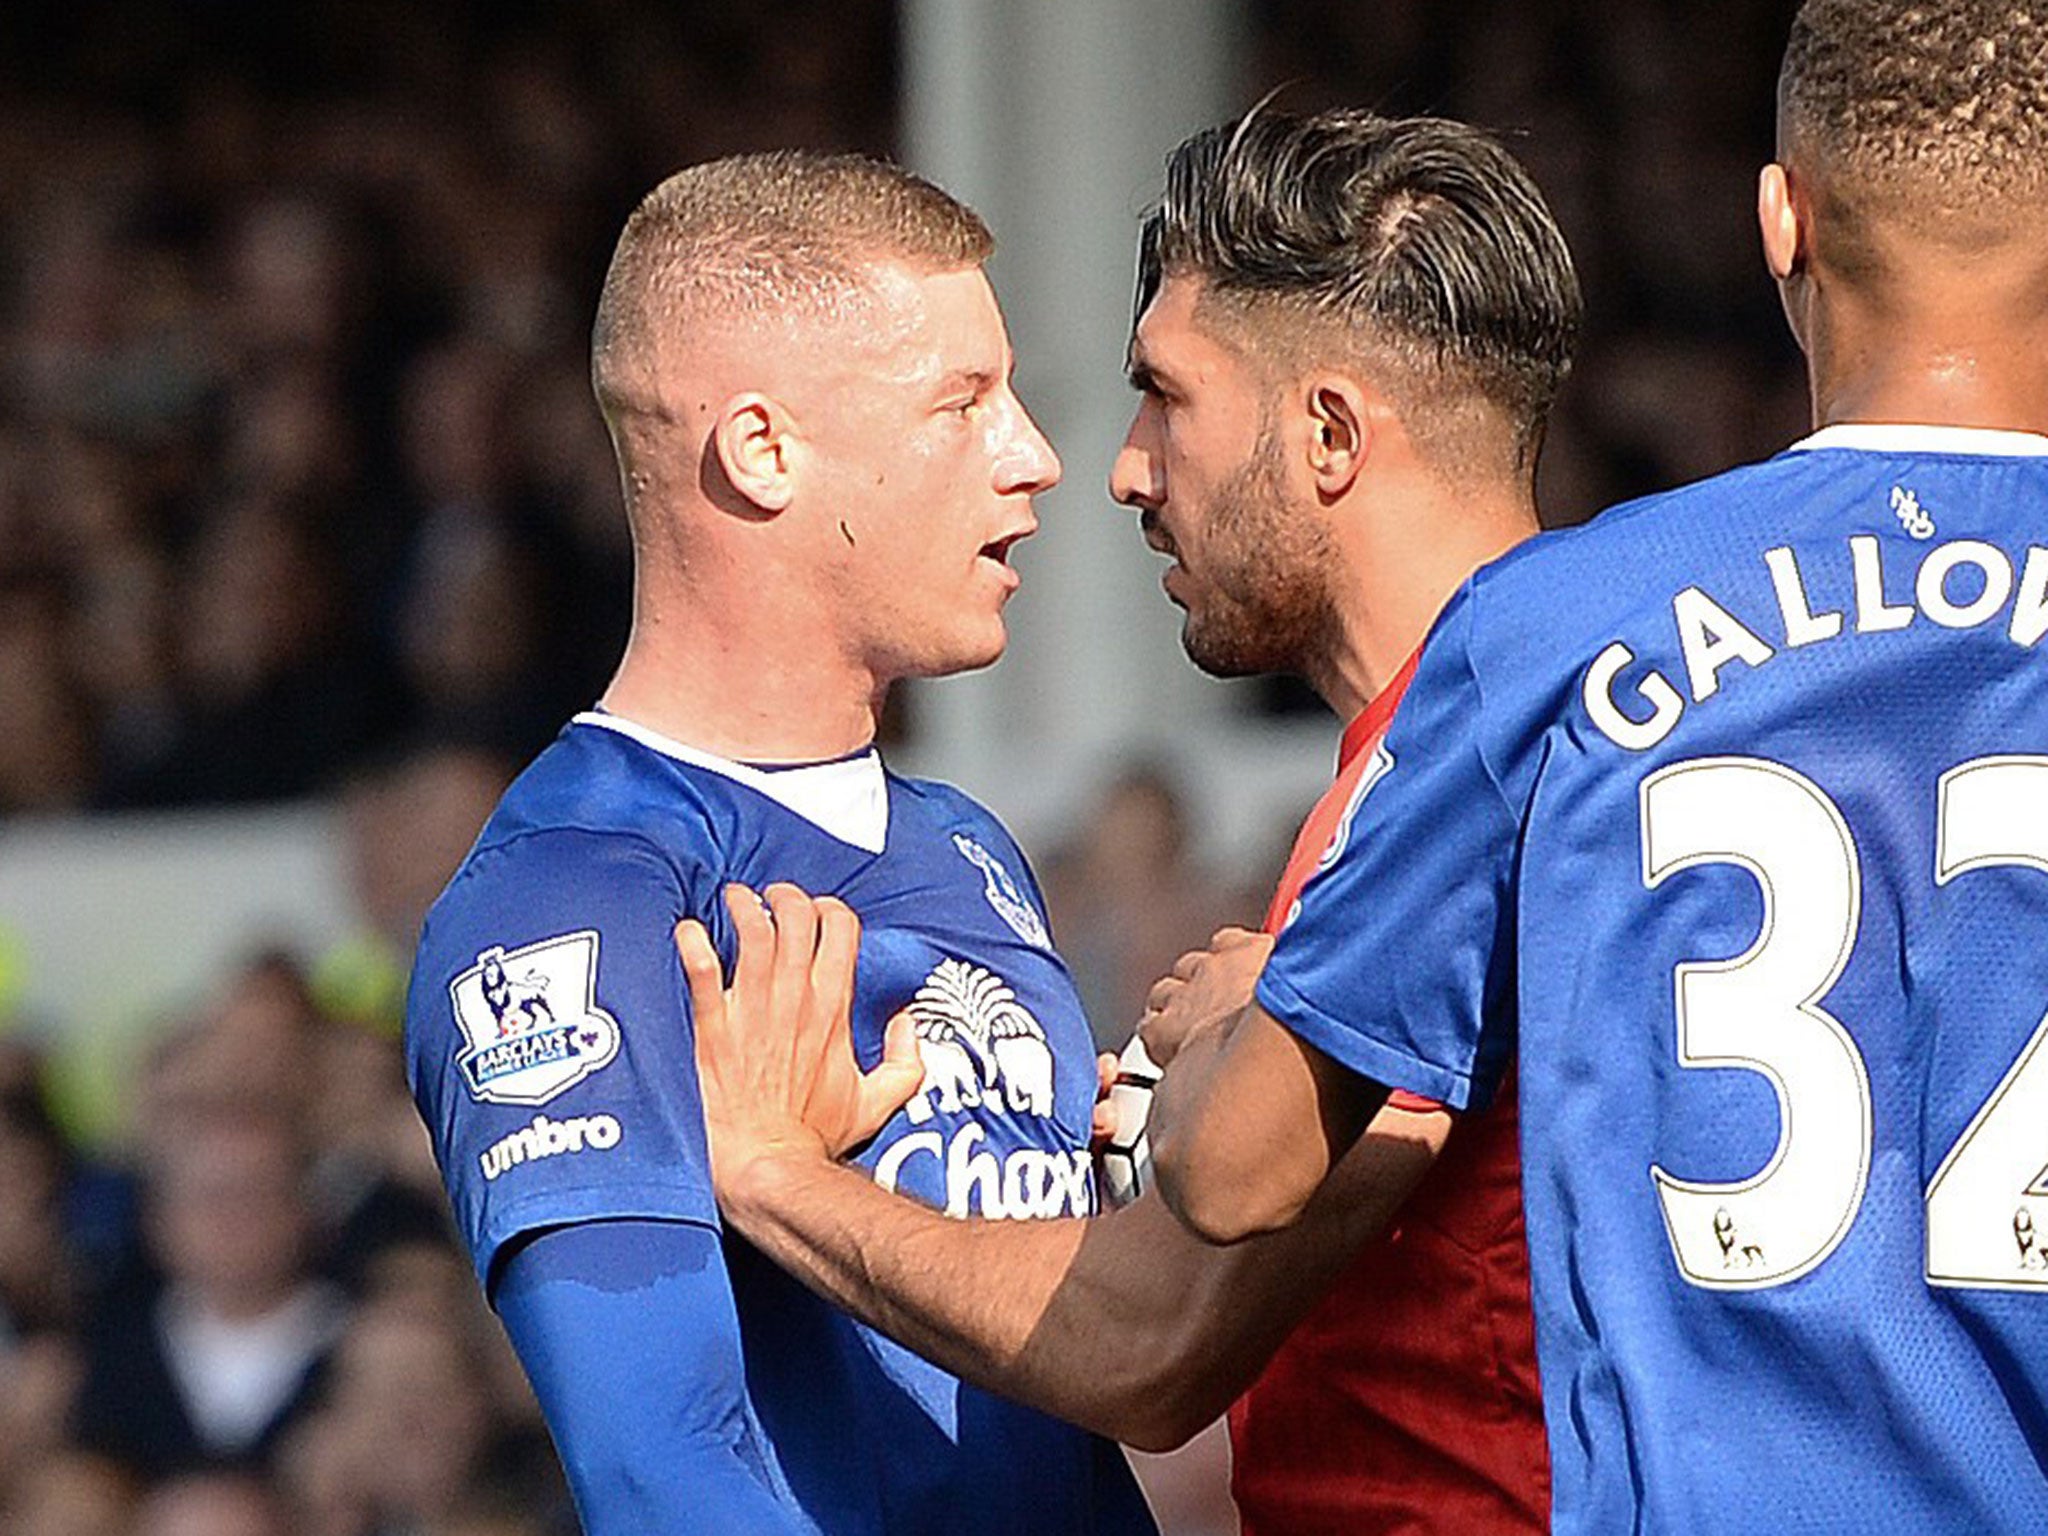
{"points": [[548, 1038], [1400, 962], [627, 1331]]}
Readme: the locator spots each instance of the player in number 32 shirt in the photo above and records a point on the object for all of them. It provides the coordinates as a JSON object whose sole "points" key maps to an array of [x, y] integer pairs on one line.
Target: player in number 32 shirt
{"points": [[1777, 866]]}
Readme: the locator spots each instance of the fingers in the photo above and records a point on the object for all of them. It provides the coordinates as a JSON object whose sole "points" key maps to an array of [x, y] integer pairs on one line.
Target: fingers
{"points": [[832, 970], [1102, 1124], [777, 1042], [795, 916], [827, 1033], [1163, 992], [1245, 949], [754, 939], [1252, 939], [899, 1043], [1223, 941], [1162, 1041], [700, 965]]}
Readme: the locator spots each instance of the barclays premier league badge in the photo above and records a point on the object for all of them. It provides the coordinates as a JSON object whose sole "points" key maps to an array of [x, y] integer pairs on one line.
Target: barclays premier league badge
{"points": [[531, 1021]]}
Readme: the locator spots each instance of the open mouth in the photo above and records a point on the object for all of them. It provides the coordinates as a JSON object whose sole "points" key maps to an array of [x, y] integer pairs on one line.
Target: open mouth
{"points": [[998, 550]]}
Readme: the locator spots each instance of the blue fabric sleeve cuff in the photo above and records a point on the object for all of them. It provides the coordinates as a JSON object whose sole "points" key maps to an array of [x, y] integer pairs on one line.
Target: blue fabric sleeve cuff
{"points": [[1344, 1045]]}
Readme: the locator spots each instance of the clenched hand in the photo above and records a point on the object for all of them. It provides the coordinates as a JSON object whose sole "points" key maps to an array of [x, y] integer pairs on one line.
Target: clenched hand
{"points": [[1205, 987]]}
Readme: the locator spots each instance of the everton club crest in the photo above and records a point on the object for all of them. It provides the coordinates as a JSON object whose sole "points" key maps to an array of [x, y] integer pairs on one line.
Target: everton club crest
{"points": [[530, 1020], [1003, 894]]}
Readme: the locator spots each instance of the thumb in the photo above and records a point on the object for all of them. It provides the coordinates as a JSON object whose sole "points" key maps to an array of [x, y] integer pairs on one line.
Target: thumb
{"points": [[895, 1078]]}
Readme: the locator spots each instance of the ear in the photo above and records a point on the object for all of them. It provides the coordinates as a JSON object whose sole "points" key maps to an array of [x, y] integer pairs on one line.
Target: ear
{"points": [[1781, 221], [755, 442], [1341, 413]]}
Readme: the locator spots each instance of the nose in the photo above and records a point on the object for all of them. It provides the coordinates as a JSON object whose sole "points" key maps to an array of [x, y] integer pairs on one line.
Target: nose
{"points": [[1029, 463], [1136, 478]]}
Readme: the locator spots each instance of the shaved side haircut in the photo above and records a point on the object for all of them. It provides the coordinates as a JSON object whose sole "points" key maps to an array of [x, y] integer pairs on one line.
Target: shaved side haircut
{"points": [[763, 235], [1942, 101], [1421, 237]]}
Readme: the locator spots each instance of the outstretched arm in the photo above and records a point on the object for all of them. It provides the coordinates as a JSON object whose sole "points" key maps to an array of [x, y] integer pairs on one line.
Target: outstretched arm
{"points": [[1127, 1323]]}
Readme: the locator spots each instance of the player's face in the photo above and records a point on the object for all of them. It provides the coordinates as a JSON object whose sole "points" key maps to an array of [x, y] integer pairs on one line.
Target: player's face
{"points": [[931, 462], [1207, 468]]}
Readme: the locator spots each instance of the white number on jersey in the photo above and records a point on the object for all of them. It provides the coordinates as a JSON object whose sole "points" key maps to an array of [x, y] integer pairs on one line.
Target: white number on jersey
{"points": [[1980, 1219], [1761, 1012]]}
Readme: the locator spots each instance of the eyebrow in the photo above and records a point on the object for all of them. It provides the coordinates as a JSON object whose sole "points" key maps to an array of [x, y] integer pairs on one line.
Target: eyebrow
{"points": [[975, 380], [1143, 376]]}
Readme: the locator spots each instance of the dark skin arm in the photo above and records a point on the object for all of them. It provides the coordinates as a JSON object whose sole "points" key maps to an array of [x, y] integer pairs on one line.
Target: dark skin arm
{"points": [[1249, 1125]]}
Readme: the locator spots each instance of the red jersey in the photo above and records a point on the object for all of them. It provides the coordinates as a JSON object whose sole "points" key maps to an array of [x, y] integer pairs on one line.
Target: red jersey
{"points": [[1407, 1401]]}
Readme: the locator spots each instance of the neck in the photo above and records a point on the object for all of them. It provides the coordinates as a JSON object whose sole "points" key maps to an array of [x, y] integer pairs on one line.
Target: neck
{"points": [[1945, 382], [722, 671], [1971, 351], [1401, 570]]}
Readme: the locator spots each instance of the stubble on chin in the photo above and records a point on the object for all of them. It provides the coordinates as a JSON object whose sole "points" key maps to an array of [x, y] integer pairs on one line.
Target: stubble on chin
{"points": [[1269, 608]]}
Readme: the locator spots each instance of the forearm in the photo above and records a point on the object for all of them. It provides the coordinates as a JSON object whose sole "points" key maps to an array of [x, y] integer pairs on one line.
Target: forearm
{"points": [[1097, 1322], [1242, 1301], [1126, 1324], [1249, 1123], [625, 1330], [1112, 1323], [923, 1277]]}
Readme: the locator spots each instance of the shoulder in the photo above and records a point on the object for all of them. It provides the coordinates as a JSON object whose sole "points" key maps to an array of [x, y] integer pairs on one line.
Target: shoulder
{"points": [[974, 832], [597, 834], [950, 813], [1504, 660], [1523, 621], [605, 785], [948, 808]]}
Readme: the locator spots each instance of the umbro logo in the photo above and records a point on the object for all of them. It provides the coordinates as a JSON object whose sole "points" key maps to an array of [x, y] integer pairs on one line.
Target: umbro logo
{"points": [[550, 1138]]}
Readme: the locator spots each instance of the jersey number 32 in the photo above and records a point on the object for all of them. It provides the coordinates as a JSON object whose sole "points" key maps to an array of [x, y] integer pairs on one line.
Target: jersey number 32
{"points": [[1761, 1012]]}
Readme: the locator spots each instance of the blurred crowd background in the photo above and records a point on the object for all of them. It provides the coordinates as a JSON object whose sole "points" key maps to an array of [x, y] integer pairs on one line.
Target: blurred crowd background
{"points": [[302, 495]]}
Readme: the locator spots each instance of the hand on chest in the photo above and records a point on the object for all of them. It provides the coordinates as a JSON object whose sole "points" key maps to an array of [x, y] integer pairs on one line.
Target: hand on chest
{"points": [[999, 1126]]}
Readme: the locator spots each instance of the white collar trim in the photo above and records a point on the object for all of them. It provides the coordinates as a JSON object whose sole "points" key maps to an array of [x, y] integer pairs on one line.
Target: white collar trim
{"points": [[847, 798], [1902, 437]]}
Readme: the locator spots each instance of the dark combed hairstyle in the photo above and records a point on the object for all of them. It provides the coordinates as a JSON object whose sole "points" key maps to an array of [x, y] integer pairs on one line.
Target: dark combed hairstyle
{"points": [[1423, 235], [1940, 97]]}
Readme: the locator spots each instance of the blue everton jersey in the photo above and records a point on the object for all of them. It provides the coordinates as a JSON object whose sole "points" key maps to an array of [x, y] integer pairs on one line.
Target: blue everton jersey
{"points": [[1729, 812], [549, 1047]]}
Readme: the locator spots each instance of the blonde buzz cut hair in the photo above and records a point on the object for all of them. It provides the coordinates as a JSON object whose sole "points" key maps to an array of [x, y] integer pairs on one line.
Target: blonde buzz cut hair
{"points": [[765, 235]]}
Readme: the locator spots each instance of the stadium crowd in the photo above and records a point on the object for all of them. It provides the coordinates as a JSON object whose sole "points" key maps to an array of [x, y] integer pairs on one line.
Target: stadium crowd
{"points": [[302, 494]]}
